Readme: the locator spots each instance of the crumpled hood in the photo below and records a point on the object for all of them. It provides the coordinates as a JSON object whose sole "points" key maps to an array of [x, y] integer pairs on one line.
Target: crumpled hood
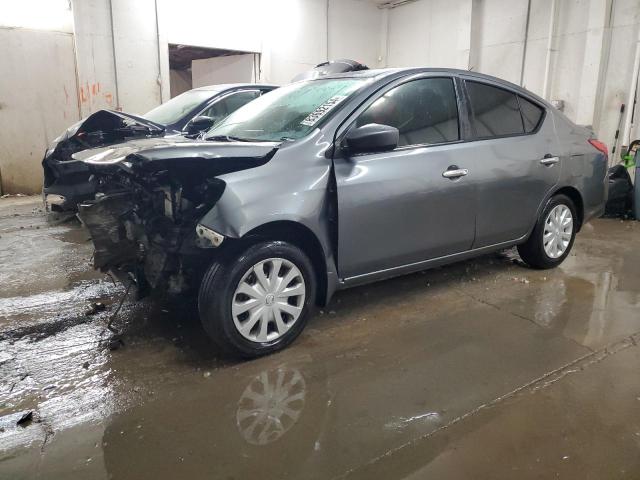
{"points": [[154, 154], [104, 126]]}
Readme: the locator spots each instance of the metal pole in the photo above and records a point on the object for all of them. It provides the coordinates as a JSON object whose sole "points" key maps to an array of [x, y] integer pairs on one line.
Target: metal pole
{"points": [[524, 44], [546, 87], [115, 65], [631, 105]]}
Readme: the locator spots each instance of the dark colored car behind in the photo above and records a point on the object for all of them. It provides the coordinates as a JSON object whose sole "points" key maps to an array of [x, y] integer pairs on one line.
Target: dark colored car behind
{"points": [[66, 181]]}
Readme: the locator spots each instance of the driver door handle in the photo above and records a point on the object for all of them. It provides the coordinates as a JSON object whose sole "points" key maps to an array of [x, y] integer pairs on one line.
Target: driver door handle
{"points": [[455, 173]]}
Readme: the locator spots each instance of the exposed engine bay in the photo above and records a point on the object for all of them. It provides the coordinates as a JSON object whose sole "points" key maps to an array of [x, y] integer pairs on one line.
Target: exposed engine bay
{"points": [[143, 218]]}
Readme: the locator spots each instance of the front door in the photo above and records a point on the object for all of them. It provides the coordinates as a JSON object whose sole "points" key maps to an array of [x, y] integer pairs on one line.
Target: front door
{"points": [[396, 208]]}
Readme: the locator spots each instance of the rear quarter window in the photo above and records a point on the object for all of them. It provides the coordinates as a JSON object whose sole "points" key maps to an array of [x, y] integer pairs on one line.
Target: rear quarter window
{"points": [[531, 114]]}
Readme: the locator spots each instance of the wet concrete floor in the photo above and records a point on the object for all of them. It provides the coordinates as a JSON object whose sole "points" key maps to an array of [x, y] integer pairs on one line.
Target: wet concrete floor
{"points": [[483, 369]]}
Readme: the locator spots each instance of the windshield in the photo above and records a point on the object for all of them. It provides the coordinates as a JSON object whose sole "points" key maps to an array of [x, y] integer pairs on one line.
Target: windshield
{"points": [[289, 112], [176, 108]]}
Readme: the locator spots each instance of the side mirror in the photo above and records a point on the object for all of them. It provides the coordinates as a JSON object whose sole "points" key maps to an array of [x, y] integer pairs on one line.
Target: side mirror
{"points": [[199, 124], [372, 137]]}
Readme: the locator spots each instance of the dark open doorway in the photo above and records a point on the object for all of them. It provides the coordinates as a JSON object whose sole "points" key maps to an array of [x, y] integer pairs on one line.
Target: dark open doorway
{"points": [[191, 67]]}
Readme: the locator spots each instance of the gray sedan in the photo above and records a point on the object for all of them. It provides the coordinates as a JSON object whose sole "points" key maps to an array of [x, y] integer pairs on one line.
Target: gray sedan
{"points": [[338, 181]]}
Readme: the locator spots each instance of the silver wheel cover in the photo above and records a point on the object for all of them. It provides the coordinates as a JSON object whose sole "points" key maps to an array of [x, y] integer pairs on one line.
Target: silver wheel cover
{"points": [[558, 229], [268, 300]]}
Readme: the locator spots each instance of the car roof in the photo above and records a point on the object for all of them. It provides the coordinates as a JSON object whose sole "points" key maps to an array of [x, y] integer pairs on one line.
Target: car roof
{"points": [[380, 73], [233, 86]]}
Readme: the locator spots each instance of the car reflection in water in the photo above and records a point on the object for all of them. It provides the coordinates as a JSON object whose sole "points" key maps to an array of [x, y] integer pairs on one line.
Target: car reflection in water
{"points": [[270, 405], [258, 419]]}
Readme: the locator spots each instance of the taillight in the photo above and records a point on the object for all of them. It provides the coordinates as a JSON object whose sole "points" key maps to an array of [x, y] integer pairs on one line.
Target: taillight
{"points": [[600, 146]]}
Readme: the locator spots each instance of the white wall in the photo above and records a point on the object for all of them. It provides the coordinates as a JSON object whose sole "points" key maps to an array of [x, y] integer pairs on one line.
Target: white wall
{"points": [[291, 35], [228, 69], [37, 102], [624, 34], [430, 33], [117, 55], [498, 37], [354, 31], [591, 60], [94, 54], [231, 25], [121, 51], [137, 55], [52, 15], [122, 46]]}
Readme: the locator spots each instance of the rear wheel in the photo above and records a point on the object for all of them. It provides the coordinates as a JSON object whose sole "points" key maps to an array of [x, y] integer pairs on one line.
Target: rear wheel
{"points": [[259, 302], [553, 236]]}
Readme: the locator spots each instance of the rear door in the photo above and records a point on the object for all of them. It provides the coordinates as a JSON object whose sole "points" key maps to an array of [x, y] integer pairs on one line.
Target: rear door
{"points": [[517, 159], [397, 208]]}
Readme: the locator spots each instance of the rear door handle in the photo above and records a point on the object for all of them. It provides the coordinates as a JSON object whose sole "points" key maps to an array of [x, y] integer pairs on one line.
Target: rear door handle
{"points": [[455, 173], [548, 160]]}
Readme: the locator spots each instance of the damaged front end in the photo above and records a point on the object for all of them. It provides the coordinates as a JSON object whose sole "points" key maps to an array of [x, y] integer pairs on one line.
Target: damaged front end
{"points": [[144, 218], [66, 179]]}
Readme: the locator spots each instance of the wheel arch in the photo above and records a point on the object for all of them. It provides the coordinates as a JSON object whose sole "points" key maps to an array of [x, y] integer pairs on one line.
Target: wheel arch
{"points": [[302, 237], [570, 191], [575, 196]]}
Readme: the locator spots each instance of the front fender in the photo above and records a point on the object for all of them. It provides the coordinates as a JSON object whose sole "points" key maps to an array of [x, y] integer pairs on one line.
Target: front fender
{"points": [[273, 193]]}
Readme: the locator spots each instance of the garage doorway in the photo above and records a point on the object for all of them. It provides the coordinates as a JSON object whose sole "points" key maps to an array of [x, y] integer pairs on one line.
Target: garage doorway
{"points": [[192, 67]]}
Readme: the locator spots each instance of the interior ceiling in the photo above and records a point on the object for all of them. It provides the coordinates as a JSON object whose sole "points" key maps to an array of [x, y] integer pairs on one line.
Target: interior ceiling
{"points": [[180, 56]]}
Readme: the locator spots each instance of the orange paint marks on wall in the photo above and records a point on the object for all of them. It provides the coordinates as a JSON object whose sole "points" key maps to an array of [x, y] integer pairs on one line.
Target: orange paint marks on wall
{"points": [[84, 95], [108, 97], [87, 91]]}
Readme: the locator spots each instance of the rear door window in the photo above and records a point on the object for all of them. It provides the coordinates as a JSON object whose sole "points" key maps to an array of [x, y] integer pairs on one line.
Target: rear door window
{"points": [[495, 111], [424, 111], [531, 114]]}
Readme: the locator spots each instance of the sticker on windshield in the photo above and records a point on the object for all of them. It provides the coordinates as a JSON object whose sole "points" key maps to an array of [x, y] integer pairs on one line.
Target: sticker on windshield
{"points": [[322, 110]]}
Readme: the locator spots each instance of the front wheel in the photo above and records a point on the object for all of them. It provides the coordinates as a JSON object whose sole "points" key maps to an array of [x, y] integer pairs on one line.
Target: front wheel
{"points": [[553, 236], [259, 302]]}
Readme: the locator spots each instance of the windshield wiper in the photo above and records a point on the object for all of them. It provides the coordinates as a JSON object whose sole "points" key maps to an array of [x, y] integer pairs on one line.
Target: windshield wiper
{"points": [[226, 138]]}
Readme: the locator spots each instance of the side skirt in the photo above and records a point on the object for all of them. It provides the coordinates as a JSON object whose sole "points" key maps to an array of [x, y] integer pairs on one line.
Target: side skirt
{"points": [[425, 264]]}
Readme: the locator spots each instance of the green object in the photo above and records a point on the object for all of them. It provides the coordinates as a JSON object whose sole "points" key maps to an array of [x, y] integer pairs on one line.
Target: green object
{"points": [[628, 161], [629, 157]]}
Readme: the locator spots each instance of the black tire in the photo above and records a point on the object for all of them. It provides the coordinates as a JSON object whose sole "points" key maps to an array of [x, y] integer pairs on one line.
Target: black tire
{"points": [[217, 291], [532, 251]]}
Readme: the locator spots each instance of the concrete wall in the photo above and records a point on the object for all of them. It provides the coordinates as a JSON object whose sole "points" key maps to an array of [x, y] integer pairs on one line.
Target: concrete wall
{"points": [[121, 51], [291, 35], [590, 62], [37, 102], [228, 69], [118, 55], [137, 54], [434, 33], [95, 57], [180, 81]]}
